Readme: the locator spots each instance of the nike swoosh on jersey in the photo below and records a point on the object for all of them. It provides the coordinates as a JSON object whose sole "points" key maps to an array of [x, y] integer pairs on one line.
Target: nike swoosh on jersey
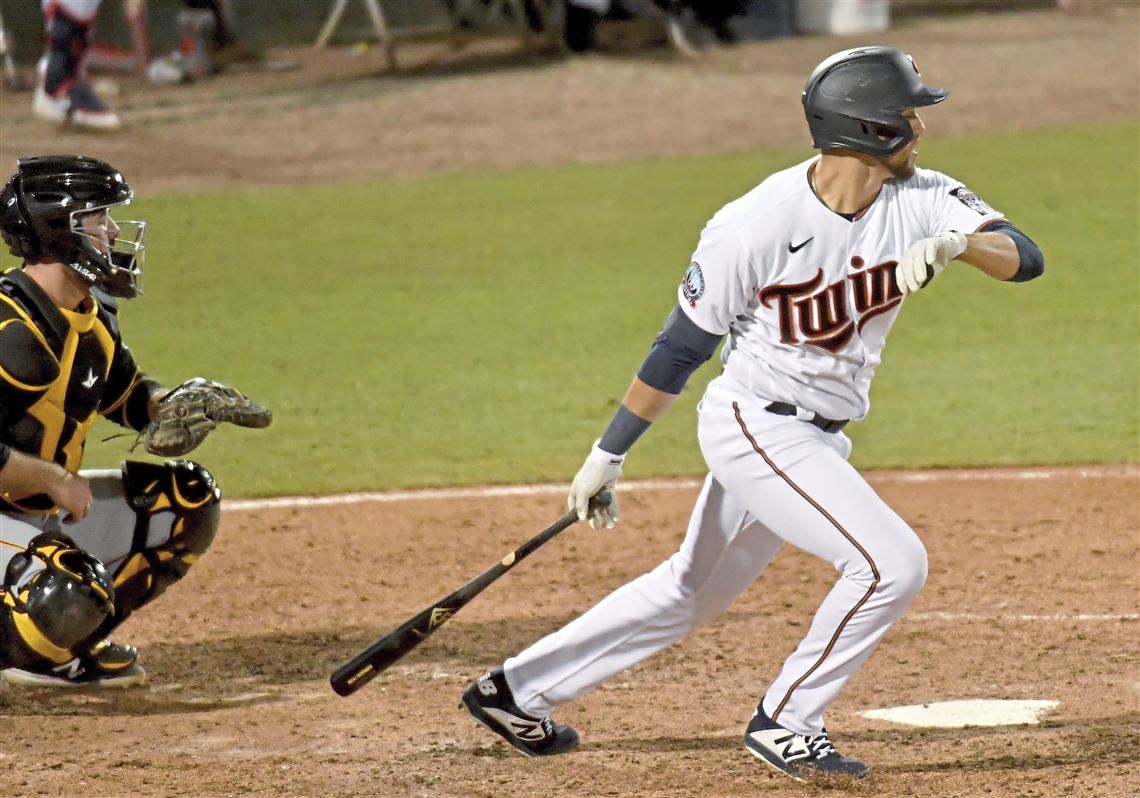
{"points": [[794, 248]]}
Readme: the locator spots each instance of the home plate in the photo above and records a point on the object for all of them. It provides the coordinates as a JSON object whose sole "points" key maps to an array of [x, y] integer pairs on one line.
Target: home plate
{"points": [[959, 714]]}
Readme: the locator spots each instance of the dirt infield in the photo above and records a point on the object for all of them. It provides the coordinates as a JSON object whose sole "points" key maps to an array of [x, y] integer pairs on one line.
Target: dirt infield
{"points": [[1032, 594], [1033, 588]]}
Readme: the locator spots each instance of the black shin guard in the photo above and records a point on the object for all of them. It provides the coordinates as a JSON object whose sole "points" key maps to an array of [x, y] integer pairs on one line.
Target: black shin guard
{"points": [[185, 489], [45, 617]]}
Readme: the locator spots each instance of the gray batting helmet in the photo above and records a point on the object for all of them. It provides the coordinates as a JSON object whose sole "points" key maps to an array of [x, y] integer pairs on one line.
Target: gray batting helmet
{"points": [[854, 98]]}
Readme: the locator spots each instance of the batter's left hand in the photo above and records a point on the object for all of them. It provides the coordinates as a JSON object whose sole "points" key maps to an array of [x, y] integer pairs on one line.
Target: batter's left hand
{"points": [[926, 259]]}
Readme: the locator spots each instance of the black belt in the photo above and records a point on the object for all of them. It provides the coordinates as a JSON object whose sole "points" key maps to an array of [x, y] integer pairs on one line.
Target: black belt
{"points": [[825, 424]]}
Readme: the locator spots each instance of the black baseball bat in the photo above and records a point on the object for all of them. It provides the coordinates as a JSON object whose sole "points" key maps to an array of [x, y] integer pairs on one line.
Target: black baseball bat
{"points": [[390, 648]]}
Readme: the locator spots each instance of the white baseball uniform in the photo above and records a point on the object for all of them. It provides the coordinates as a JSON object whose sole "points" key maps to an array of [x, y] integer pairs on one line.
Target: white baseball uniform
{"points": [[80, 10], [807, 297]]}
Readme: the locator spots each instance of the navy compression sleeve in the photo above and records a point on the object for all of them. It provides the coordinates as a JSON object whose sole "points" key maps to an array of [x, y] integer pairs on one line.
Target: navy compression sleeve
{"points": [[1031, 261], [679, 349]]}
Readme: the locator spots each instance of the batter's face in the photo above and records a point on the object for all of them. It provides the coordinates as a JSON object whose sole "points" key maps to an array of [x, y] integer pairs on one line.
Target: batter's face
{"points": [[901, 164]]}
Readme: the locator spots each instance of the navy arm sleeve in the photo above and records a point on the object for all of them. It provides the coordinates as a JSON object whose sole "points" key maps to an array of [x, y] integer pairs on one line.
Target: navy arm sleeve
{"points": [[1031, 261], [679, 349]]}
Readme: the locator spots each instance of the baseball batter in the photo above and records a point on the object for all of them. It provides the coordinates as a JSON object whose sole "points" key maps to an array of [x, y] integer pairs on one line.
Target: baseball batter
{"points": [[805, 274]]}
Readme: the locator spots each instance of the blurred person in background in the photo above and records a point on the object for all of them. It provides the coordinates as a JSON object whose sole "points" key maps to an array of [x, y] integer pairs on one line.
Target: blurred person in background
{"points": [[207, 44], [63, 94], [708, 18]]}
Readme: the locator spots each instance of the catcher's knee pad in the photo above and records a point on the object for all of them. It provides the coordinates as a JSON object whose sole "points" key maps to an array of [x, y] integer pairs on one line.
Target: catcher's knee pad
{"points": [[185, 489], [65, 599]]}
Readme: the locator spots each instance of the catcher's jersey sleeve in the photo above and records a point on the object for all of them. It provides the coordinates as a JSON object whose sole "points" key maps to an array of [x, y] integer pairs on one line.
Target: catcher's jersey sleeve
{"points": [[719, 282], [127, 400], [952, 206]]}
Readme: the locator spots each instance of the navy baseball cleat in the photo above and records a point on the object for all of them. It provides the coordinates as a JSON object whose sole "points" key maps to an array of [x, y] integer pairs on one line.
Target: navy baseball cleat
{"points": [[489, 700], [802, 757]]}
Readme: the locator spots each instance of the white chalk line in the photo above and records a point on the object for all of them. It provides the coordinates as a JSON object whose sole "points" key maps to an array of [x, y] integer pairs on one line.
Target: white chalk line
{"points": [[1126, 471], [1012, 617]]}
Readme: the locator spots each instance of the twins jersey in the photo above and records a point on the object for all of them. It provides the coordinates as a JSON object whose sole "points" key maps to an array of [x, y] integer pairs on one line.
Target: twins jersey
{"points": [[807, 295]]}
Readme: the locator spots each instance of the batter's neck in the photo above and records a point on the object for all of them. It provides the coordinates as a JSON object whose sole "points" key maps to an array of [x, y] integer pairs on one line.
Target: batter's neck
{"points": [[846, 183]]}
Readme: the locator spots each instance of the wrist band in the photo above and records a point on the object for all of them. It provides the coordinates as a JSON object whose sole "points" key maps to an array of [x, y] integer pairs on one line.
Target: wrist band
{"points": [[624, 430]]}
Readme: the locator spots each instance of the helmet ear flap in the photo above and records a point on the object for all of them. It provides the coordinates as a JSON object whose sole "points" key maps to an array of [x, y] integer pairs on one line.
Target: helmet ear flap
{"points": [[15, 224]]}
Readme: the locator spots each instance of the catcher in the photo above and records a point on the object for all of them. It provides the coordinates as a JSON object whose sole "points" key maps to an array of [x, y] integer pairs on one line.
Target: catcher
{"points": [[81, 550]]}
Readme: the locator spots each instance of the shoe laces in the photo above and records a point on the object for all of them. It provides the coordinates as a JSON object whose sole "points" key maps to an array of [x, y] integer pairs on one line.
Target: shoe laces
{"points": [[547, 726], [820, 746]]}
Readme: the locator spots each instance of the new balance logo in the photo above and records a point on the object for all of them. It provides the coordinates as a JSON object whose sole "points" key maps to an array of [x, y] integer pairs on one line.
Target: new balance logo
{"points": [[71, 669], [486, 686], [790, 752], [528, 730], [787, 746]]}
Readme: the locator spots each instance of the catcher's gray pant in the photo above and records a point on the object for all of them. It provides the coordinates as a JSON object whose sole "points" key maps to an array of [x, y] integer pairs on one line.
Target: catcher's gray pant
{"points": [[773, 479], [107, 532], [148, 525]]}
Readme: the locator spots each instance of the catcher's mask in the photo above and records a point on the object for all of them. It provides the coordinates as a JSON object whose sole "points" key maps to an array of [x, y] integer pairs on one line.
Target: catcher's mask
{"points": [[854, 100], [42, 213]]}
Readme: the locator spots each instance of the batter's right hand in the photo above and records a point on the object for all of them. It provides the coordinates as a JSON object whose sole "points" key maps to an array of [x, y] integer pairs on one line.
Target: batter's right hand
{"points": [[72, 494], [601, 470]]}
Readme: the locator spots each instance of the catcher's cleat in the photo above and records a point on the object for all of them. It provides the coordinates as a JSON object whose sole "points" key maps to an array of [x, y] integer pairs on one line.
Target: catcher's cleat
{"points": [[489, 700], [803, 757], [107, 664]]}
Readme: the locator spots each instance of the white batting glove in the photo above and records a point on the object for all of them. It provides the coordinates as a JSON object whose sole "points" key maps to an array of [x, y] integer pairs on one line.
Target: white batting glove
{"points": [[926, 259], [601, 470]]}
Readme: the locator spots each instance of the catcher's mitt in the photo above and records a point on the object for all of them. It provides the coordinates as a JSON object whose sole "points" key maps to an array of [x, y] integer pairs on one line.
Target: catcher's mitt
{"points": [[188, 413]]}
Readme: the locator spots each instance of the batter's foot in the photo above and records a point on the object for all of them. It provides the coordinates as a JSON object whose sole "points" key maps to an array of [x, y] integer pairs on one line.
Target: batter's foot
{"points": [[107, 664], [489, 700], [802, 757]]}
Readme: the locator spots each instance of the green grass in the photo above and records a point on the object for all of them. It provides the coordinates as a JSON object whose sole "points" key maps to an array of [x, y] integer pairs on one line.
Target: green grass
{"points": [[482, 328]]}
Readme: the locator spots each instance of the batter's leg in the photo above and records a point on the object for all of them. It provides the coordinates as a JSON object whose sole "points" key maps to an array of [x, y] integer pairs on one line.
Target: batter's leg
{"points": [[722, 554], [794, 479]]}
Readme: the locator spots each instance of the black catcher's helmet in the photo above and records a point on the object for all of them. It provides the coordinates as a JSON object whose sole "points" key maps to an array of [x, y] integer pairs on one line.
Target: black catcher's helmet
{"points": [[854, 98], [41, 210]]}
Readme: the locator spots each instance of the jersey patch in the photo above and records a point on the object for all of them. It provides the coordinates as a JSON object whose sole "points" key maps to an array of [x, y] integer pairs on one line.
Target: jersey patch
{"points": [[972, 201], [693, 286]]}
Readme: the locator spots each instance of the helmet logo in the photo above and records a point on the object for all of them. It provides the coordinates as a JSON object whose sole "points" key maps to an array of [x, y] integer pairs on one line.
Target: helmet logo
{"points": [[913, 65]]}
